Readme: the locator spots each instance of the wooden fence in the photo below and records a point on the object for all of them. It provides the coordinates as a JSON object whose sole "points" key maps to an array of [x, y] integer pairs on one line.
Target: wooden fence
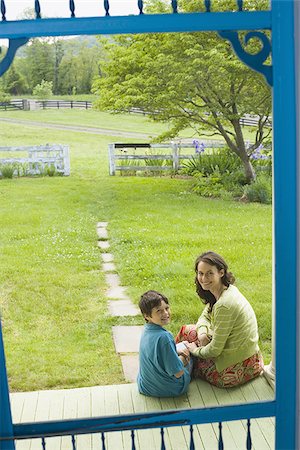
{"points": [[44, 104], [36, 159], [123, 157], [249, 120]]}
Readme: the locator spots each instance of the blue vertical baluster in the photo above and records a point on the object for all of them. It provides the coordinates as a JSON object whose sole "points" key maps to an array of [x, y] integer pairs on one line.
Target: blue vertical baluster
{"points": [[103, 441], [207, 5], [73, 442], [163, 446], [3, 10], [133, 440], [106, 7], [43, 443], [249, 440], [141, 6], [192, 443], [37, 9], [174, 6], [221, 444], [240, 5], [6, 425], [72, 8]]}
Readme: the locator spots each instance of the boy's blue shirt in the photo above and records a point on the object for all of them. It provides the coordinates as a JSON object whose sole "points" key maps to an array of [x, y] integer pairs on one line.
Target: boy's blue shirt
{"points": [[159, 363]]}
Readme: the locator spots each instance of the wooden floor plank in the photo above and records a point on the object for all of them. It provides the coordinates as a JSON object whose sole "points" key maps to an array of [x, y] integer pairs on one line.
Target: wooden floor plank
{"points": [[176, 434], [55, 413], [97, 410], [113, 400], [183, 402], [237, 428], [125, 407], [42, 413], [146, 438], [210, 399], [17, 404], [114, 440], [258, 439], [266, 425], [69, 411], [205, 432], [28, 415], [153, 404], [84, 409]]}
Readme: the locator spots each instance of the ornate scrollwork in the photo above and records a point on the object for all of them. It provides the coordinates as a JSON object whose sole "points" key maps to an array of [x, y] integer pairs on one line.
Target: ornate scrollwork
{"points": [[256, 61], [14, 44]]}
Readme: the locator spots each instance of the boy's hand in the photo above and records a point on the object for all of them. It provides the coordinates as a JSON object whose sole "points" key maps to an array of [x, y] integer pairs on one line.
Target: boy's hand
{"points": [[184, 352]]}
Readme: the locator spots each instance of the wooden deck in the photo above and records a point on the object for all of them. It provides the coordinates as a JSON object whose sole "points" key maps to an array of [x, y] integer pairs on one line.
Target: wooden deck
{"points": [[110, 400]]}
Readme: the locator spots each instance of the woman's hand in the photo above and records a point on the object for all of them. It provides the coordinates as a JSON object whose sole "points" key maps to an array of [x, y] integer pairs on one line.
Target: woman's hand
{"points": [[203, 340], [191, 346]]}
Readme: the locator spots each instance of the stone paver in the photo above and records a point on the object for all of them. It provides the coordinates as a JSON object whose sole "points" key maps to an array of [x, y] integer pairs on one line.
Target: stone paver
{"points": [[118, 292], [102, 224], [109, 267], [122, 308], [112, 279], [127, 339], [102, 233], [107, 257], [103, 245], [130, 364]]}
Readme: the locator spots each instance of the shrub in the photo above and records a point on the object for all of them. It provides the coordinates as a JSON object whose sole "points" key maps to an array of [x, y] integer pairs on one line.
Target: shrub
{"points": [[43, 90], [209, 185], [7, 170], [222, 160], [260, 190]]}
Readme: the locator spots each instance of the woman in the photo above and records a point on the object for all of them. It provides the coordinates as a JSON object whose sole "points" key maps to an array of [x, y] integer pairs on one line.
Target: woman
{"points": [[224, 342]]}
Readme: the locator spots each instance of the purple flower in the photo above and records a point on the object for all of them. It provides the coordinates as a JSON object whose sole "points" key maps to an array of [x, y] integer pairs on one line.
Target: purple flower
{"points": [[199, 146]]}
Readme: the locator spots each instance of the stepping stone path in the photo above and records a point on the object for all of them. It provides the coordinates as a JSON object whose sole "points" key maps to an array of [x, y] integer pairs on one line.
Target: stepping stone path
{"points": [[126, 338]]}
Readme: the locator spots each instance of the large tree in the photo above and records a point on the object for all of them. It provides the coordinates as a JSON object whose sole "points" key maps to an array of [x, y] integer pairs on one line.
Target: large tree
{"points": [[188, 80]]}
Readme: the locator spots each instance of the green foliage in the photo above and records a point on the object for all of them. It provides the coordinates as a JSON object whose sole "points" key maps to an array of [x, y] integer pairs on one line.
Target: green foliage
{"points": [[43, 90], [69, 64], [14, 82], [4, 96], [206, 163], [189, 80], [259, 190], [7, 170], [51, 267]]}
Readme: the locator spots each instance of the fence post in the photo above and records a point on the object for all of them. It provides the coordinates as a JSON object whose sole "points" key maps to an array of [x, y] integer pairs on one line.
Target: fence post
{"points": [[111, 157], [6, 425], [66, 159], [175, 156]]}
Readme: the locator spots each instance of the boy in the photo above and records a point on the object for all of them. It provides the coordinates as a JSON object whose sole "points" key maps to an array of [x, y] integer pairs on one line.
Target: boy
{"points": [[163, 369]]}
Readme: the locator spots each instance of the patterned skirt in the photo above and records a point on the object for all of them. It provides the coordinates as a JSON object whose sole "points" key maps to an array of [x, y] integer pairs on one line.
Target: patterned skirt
{"points": [[229, 377]]}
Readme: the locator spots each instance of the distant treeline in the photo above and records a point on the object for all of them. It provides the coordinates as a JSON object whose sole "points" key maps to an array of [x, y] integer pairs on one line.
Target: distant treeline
{"points": [[69, 64]]}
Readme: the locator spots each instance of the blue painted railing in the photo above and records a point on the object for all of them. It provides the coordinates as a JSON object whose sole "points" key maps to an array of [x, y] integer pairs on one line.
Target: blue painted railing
{"points": [[280, 20]]}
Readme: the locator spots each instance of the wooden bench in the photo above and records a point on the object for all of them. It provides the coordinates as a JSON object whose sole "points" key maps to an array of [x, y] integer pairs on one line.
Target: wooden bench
{"points": [[124, 398]]}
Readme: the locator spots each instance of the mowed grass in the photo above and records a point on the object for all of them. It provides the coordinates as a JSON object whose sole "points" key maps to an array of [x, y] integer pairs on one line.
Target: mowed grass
{"points": [[101, 119], [57, 330]]}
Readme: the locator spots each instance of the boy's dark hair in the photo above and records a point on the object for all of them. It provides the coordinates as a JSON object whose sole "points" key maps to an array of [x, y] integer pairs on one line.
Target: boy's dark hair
{"points": [[149, 300]]}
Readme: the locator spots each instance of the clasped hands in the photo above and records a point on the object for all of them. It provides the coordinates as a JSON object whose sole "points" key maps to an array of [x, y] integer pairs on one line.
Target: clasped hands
{"points": [[202, 341]]}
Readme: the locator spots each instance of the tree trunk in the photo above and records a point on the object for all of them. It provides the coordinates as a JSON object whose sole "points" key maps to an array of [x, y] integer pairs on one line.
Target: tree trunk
{"points": [[249, 171]]}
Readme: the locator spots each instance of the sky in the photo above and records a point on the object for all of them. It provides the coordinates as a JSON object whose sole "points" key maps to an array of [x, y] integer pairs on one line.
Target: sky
{"points": [[60, 8]]}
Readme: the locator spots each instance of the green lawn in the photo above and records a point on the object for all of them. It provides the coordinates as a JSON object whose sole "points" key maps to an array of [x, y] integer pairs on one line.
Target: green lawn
{"points": [[52, 292], [100, 119]]}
